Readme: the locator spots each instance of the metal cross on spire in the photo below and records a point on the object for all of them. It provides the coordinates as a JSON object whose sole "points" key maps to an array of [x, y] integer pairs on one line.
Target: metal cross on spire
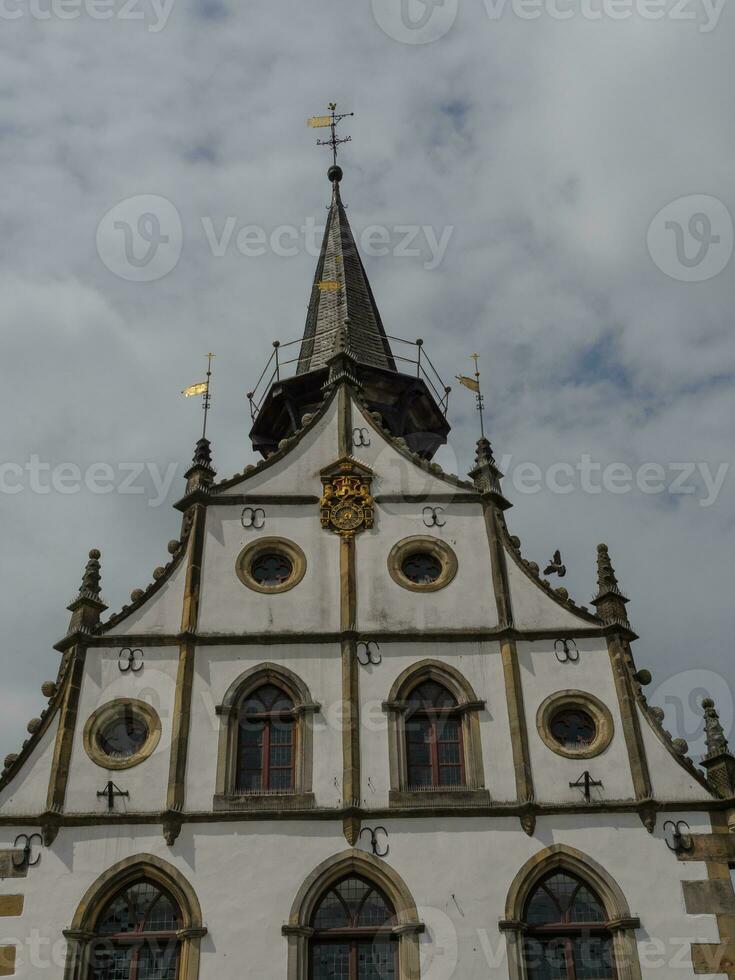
{"points": [[331, 121]]}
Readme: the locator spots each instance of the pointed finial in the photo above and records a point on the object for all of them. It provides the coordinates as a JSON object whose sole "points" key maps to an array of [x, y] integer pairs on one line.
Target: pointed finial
{"points": [[203, 453], [719, 761], [713, 731], [88, 606], [92, 578], [609, 601], [485, 473]]}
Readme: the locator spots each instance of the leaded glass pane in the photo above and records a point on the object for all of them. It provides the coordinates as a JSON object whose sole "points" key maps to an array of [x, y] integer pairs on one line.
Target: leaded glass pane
{"points": [[163, 916], [422, 568], [586, 907], [574, 729], [116, 918], [546, 959], [593, 958], [376, 961], [330, 961], [158, 962], [111, 964], [122, 737], [375, 911], [430, 694], [331, 913], [271, 569]]}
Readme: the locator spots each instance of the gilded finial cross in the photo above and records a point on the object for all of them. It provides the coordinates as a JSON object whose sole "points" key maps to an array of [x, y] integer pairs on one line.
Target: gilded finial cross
{"points": [[331, 121]]}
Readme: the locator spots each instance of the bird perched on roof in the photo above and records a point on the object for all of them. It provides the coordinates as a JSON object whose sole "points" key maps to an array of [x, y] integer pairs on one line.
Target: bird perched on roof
{"points": [[556, 566]]}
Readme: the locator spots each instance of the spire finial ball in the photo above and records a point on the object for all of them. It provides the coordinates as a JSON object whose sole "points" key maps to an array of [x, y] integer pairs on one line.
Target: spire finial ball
{"points": [[335, 173], [94, 554]]}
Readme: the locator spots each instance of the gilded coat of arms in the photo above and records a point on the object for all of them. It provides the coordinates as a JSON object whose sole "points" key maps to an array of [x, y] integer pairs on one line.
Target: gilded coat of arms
{"points": [[346, 505]]}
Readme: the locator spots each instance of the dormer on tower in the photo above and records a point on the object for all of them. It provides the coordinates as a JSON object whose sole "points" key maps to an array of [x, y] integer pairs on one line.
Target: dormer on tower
{"points": [[344, 339]]}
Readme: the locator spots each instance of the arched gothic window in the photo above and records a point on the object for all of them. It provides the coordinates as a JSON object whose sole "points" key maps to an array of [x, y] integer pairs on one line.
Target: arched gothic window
{"points": [[136, 936], [566, 932], [434, 751], [353, 938], [434, 737], [266, 741]]}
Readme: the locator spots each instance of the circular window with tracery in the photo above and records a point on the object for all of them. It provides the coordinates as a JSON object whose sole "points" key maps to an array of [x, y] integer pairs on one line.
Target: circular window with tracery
{"points": [[121, 734], [422, 564], [271, 565], [575, 724]]}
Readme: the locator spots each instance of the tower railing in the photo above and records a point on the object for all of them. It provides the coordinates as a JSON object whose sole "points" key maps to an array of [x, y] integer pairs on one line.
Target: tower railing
{"points": [[280, 367]]}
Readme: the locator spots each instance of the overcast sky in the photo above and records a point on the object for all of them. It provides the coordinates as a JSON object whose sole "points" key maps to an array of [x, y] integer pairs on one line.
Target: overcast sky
{"points": [[538, 144]]}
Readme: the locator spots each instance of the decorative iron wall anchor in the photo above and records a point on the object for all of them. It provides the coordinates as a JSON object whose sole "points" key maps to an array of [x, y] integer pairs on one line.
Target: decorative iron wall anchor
{"points": [[130, 660], [253, 517], [374, 845], [586, 784], [25, 858], [368, 653], [681, 836], [566, 651], [360, 437], [432, 517], [111, 791]]}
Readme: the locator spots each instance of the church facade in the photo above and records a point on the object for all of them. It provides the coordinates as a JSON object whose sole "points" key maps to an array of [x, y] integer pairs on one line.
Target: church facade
{"points": [[349, 732]]}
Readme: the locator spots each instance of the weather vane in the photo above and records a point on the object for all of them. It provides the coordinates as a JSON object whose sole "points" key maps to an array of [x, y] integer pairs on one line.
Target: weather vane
{"points": [[202, 388], [474, 385], [331, 121]]}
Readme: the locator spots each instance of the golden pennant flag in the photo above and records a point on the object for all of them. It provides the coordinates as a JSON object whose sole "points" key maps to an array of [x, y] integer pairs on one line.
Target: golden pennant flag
{"points": [[470, 383], [200, 388], [318, 122], [328, 285]]}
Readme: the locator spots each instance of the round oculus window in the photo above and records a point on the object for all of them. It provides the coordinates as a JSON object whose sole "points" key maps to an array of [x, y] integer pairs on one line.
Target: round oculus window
{"points": [[422, 568], [124, 736], [573, 728], [271, 569]]}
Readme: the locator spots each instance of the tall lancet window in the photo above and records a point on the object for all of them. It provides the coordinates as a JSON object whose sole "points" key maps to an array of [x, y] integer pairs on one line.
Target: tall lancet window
{"points": [[266, 741], [434, 752], [136, 936], [353, 937], [566, 936]]}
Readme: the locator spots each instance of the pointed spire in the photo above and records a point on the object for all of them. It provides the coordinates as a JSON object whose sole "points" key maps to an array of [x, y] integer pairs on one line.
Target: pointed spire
{"points": [[719, 761], [609, 601], [88, 606], [343, 315], [201, 473], [485, 473]]}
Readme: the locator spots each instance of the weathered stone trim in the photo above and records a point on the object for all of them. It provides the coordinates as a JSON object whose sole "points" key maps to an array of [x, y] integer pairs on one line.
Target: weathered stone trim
{"points": [[631, 727], [605, 728], [270, 544], [226, 796], [499, 568], [621, 922], [103, 715], [412, 636], [80, 934], [263, 499], [176, 794], [11, 905], [7, 961], [8, 858], [351, 791], [407, 927], [518, 732], [429, 497], [59, 777], [440, 550], [713, 896]]}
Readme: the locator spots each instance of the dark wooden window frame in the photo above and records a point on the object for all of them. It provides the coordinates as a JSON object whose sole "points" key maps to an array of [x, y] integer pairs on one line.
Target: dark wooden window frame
{"points": [[269, 720]]}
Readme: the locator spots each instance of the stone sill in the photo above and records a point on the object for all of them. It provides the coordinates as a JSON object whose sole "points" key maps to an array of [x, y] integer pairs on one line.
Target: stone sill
{"points": [[439, 797], [264, 801]]}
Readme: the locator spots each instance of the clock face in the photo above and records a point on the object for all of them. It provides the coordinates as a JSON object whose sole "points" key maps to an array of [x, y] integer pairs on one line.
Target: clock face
{"points": [[348, 517]]}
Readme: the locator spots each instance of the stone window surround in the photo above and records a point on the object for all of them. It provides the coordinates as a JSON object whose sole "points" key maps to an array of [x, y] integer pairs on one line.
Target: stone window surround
{"points": [[261, 546], [621, 923], [468, 708], [407, 928], [416, 543], [226, 796], [576, 700], [81, 933], [104, 715]]}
